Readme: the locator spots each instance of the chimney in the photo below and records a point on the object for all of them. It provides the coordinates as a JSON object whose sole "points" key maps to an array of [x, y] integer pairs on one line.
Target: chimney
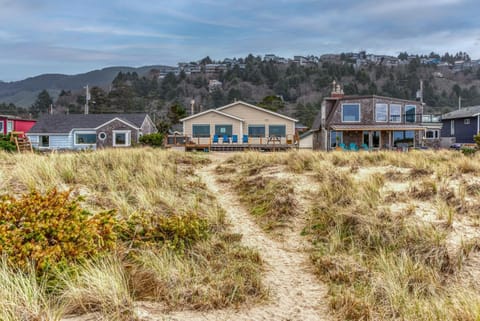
{"points": [[192, 106], [337, 91]]}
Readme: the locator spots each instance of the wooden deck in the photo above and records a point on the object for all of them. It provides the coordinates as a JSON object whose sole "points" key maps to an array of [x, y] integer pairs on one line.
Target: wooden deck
{"points": [[238, 147]]}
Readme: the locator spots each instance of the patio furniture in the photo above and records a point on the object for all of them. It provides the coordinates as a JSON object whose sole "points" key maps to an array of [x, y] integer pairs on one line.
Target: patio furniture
{"points": [[226, 139], [353, 147], [343, 146], [245, 139], [365, 146], [234, 139], [215, 139]]}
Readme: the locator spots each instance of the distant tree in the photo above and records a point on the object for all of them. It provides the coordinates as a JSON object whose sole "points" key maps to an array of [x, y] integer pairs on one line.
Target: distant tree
{"points": [[206, 61], [272, 102], [403, 56], [175, 113], [42, 104]]}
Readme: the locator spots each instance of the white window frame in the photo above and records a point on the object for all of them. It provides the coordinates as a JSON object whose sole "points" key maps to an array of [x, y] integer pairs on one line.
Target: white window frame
{"points": [[359, 114], [1, 127], [466, 121], [40, 145], [435, 133], [376, 112], [452, 127], [399, 118], [9, 126], [84, 132], [128, 136]]}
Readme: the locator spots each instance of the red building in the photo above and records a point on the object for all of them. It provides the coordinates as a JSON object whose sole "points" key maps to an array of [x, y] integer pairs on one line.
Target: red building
{"points": [[14, 123]]}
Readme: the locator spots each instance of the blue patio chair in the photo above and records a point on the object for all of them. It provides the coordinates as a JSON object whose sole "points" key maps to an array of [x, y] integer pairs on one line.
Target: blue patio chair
{"points": [[364, 146], [245, 139], [235, 139], [343, 146], [353, 147], [215, 139], [226, 139]]}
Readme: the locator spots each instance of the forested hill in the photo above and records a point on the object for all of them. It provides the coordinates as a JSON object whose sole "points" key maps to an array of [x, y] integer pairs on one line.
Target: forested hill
{"points": [[292, 87]]}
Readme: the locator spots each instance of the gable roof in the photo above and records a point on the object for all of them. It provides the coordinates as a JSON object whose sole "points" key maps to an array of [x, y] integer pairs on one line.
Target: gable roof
{"points": [[463, 113], [210, 111], [57, 124], [257, 108]]}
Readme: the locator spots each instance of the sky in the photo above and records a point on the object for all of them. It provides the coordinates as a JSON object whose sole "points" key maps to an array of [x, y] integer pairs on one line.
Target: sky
{"points": [[71, 37]]}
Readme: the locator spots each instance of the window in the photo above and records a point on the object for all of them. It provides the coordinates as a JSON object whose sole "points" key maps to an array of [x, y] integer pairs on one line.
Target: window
{"points": [[85, 138], [452, 127], [351, 112], [121, 138], [376, 139], [381, 112], [410, 113], [466, 121], [201, 130], [431, 134], [102, 136], [335, 138], [395, 113], [44, 141], [405, 137], [366, 138], [1, 127], [256, 130], [221, 130], [277, 130], [9, 126]]}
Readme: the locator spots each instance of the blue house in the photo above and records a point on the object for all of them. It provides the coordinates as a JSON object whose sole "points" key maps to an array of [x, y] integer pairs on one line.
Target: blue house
{"points": [[92, 131], [462, 124]]}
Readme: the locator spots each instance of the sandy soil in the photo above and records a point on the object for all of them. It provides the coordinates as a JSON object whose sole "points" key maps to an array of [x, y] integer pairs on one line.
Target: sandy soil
{"points": [[296, 293]]}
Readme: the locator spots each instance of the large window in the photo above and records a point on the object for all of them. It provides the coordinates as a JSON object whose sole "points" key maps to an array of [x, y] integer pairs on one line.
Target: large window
{"points": [[431, 134], [335, 138], [351, 112], [410, 113], [9, 126], [277, 130], [85, 138], [404, 137], [201, 130], [221, 130], [395, 113], [376, 139], [381, 112], [256, 130], [44, 141], [121, 138]]}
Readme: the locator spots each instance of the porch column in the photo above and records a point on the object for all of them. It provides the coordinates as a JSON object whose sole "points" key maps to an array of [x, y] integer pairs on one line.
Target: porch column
{"points": [[390, 139], [370, 139]]}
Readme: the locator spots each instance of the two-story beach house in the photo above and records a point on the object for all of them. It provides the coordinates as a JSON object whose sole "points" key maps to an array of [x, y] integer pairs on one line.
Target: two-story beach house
{"points": [[368, 122]]}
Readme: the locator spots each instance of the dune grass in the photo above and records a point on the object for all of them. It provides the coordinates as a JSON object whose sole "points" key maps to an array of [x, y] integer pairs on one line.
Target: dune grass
{"points": [[380, 264], [189, 249]]}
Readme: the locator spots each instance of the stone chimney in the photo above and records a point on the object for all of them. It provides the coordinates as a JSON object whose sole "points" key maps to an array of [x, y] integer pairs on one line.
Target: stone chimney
{"points": [[337, 91]]}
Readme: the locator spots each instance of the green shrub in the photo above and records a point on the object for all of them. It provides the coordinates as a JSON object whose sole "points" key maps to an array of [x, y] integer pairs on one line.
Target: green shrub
{"points": [[155, 139], [476, 138], [51, 229], [6, 144], [468, 151]]}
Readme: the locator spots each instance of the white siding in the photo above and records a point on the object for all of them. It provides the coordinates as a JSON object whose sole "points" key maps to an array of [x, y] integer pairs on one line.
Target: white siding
{"points": [[306, 142]]}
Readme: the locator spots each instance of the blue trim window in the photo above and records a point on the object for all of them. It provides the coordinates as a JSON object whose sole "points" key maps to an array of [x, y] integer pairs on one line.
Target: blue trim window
{"points": [[410, 113], [201, 130], [256, 130], [350, 113], [85, 138], [277, 130]]}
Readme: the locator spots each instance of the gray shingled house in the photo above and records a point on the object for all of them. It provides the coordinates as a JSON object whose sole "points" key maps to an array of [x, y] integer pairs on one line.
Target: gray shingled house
{"points": [[91, 131], [462, 124]]}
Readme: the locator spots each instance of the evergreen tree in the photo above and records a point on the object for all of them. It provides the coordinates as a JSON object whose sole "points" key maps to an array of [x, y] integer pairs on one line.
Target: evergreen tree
{"points": [[42, 104]]}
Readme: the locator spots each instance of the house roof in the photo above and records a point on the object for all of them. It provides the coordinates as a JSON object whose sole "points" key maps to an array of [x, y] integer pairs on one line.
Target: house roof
{"points": [[377, 127], [257, 108], [413, 102], [210, 111], [57, 124], [306, 134], [463, 113]]}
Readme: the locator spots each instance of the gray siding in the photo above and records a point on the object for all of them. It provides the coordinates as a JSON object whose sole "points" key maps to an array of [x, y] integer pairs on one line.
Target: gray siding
{"points": [[56, 141], [463, 132]]}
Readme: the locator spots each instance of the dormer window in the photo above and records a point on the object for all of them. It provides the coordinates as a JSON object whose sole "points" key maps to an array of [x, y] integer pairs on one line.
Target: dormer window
{"points": [[350, 113]]}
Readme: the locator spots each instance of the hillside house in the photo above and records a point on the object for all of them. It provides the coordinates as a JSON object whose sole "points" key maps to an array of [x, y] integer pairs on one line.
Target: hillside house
{"points": [[369, 122], [239, 123], [462, 124], [92, 131], [10, 124]]}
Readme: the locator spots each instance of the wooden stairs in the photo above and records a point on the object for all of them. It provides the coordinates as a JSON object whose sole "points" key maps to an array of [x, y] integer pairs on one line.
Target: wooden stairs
{"points": [[21, 141]]}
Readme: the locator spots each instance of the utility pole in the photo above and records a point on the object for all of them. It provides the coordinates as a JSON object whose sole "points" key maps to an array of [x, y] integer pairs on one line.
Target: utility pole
{"points": [[87, 98], [459, 102]]}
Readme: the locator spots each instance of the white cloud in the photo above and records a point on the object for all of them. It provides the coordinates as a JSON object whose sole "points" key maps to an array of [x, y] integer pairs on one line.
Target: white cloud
{"points": [[123, 32]]}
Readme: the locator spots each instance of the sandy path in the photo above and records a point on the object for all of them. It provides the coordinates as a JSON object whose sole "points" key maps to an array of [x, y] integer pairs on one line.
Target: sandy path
{"points": [[296, 294]]}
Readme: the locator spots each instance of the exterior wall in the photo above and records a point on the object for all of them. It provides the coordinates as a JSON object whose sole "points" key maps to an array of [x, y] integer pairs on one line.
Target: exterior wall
{"points": [[306, 142], [148, 127], [252, 116], [23, 125], [367, 111], [56, 141], [463, 132], [108, 130], [212, 119], [4, 122]]}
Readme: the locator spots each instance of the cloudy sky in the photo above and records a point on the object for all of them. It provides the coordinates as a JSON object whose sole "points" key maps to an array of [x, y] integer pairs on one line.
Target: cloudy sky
{"points": [[58, 36]]}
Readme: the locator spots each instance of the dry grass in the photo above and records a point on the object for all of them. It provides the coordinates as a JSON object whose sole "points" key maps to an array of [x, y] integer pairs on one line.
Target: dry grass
{"points": [[382, 264], [215, 272]]}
